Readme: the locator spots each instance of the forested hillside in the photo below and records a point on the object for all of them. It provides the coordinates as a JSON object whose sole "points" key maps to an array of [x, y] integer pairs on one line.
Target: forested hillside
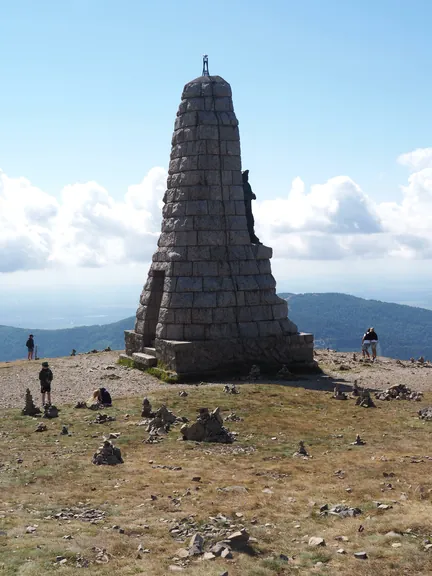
{"points": [[338, 321]]}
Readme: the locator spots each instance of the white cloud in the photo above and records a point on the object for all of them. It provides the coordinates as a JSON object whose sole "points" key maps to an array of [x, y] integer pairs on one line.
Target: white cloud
{"points": [[336, 220]]}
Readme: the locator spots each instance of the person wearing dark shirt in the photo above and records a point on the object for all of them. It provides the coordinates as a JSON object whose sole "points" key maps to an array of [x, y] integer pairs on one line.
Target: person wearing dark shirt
{"points": [[30, 347], [373, 339], [103, 397], [45, 377]]}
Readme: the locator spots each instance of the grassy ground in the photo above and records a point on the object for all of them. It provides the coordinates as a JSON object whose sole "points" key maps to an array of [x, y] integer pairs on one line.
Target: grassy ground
{"points": [[56, 473]]}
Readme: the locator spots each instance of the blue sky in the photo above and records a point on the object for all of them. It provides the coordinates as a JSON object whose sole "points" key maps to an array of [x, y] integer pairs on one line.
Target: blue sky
{"points": [[90, 88], [323, 89]]}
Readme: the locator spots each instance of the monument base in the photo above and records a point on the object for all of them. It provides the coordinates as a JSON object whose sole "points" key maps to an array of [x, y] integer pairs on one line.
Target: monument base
{"points": [[196, 358]]}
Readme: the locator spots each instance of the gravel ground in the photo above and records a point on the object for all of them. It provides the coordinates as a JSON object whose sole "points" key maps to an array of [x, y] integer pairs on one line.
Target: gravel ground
{"points": [[76, 377]]}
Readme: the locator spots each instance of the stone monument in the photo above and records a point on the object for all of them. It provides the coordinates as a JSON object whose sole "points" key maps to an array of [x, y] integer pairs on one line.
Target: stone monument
{"points": [[210, 300]]}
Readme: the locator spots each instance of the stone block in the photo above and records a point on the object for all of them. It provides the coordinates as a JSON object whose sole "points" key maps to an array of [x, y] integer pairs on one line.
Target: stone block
{"points": [[234, 267], [140, 313], [240, 208], [252, 297], [269, 328], [227, 119], [211, 238], [170, 284], [229, 208], [244, 314], [182, 316], [224, 269], [221, 331], [223, 105], [145, 297], [221, 90], [187, 163], [174, 332], [176, 195], [216, 193], [265, 281], [208, 223], [209, 162], [288, 327], [247, 267], [189, 283], [139, 326], [237, 179], [181, 300], [225, 299], [166, 299], [194, 332], [248, 329], [202, 316], [202, 192], [213, 147], [215, 207], [229, 133], [205, 269], [238, 237], [184, 135], [193, 104], [262, 252], [166, 316], [157, 267], [264, 266], [226, 178], [224, 315], [236, 193], [174, 210], [261, 312], [218, 253], [195, 253], [215, 283], [181, 224], [236, 253], [174, 166], [205, 300], [144, 359], [207, 132], [231, 163], [212, 177], [182, 269], [207, 117], [166, 239], [188, 238], [269, 297], [246, 282], [194, 208], [233, 148], [185, 120], [280, 311], [236, 223], [192, 90], [160, 330]]}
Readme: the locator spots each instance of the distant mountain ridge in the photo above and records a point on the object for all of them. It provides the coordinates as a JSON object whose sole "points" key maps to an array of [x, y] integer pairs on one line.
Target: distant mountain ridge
{"points": [[338, 321]]}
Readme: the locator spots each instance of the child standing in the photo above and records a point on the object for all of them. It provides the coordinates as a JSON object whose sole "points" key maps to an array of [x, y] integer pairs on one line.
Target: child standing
{"points": [[30, 347], [45, 377]]}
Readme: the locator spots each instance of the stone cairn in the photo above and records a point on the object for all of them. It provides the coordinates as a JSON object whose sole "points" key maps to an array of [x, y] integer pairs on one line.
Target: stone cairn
{"points": [[80, 404], [147, 409], [358, 441], [103, 419], [302, 452], [425, 413], [50, 411], [41, 427], [207, 428], [399, 392], [210, 300], [107, 454], [338, 394], [355, 390], [285, 374], [29, 409], [231, 389], [365, 400]]}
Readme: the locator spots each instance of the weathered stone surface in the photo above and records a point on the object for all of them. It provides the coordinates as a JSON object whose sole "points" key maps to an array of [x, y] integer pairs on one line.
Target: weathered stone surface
{"points": [[207, 282]]}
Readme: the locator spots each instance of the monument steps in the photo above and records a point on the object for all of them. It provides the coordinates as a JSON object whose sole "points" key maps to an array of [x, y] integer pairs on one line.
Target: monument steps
{"points": [[150, 351], [144, 359]]}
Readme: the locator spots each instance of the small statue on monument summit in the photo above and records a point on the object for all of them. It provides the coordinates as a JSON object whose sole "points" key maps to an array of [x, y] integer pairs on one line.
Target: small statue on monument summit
{"points": [[248, 197]]}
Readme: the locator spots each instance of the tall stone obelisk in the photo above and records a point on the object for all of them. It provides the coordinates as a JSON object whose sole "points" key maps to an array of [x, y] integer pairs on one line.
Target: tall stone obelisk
{"points": [[210, 299]]}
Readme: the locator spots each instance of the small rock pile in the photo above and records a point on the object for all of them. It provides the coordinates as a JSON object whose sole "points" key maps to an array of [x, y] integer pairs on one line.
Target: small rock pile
{"points": [[398, 392], [340, 510], [231, 389], [50, 411], [365, 400], [91, 515], [285, 374], [302, 452], [207, 428], [232, 417], [41, 427], [338, 394], [147, 411], [103, 418], [425, 413], [162, 420], [29, 409], [80, 404], [107, 454]]}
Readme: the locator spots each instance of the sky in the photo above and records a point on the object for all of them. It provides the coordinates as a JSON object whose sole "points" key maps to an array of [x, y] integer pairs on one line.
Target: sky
{"points": [[333, 100]]}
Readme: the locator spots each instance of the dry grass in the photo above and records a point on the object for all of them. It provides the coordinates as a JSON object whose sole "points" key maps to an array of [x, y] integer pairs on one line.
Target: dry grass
{"points": [[57, 473]]}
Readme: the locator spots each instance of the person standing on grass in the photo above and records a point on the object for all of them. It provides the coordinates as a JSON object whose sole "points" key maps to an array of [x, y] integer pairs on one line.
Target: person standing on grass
{"points": [[366, 344], [30, 347], [373, 339], [46, 377]]}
